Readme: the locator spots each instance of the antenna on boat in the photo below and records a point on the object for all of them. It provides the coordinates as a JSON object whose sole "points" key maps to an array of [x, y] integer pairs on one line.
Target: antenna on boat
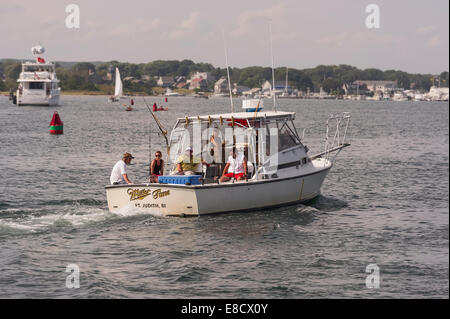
{"points": [[228, 72], [273, 69]]}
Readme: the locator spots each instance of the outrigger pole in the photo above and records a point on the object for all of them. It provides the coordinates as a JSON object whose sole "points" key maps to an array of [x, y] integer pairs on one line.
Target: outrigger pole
{"points": [[163, 131], [334, 149]]}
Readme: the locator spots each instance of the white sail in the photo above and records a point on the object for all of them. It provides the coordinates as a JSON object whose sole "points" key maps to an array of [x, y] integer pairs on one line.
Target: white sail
{"points": [[118, 92]]}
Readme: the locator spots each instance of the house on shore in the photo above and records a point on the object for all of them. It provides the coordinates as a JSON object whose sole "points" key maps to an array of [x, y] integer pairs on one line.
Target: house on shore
{"points": [[378, 86], [221, 86], [198, 83], [239, 89], [165, 81]]}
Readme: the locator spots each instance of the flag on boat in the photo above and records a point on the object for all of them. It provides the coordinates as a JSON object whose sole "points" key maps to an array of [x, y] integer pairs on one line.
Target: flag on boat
{"points": [[40, 60]]}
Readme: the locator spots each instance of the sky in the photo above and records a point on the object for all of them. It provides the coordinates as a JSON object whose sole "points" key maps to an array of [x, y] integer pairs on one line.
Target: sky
{"points": [[413, 35]]}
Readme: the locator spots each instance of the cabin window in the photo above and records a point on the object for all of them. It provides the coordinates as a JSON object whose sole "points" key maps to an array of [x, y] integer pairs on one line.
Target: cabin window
{"points": [[36, 85], [286, 139], [304, 161]]}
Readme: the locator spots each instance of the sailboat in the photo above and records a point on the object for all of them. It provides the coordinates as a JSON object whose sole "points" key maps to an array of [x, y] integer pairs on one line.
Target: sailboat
{"points": [[118, 90], [285, 93]]}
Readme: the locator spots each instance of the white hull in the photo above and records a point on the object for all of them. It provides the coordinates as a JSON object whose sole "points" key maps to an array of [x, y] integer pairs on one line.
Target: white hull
{"points": [[194, 200], [37, 99]]}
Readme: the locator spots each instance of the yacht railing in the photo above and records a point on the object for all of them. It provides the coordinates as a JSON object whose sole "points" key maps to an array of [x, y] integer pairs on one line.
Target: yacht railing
{"points": [[337, 142]]}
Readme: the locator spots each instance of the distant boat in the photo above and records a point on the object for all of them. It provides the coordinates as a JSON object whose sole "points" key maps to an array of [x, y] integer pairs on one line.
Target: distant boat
{"points": [[169, 92], [118, 90], [38, 84], [399, 97]]}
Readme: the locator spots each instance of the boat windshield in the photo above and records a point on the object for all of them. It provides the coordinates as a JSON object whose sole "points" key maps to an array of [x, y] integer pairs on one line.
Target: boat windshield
{"points": [[212, 140]]}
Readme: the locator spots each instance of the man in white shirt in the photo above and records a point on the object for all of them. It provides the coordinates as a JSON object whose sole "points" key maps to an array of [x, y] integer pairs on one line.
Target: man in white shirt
{"points": [[119, 172], [236, 167]]}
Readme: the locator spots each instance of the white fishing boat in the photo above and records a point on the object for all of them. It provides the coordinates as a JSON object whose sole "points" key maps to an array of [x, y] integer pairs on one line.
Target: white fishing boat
{"points": [[286, 176], [118, 88], [38, 84]]}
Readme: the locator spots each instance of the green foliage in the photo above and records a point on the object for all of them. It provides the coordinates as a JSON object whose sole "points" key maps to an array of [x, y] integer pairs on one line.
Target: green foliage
{"points": [[444, 79], [140, 87], [93, 76], [13, 70]]}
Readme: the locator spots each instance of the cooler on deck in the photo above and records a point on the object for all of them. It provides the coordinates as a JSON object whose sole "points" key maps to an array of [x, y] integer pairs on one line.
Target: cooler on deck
{"points": [[180, 179]]}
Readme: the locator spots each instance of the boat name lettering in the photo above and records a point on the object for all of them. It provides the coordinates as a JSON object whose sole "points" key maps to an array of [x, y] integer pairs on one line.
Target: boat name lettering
{"points": [[158, 193], [136, 194]]}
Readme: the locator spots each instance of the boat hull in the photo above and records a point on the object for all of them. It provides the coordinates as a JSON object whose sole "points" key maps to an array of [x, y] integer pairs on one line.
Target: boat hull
{"points": [[38, 99], [191, 200]]}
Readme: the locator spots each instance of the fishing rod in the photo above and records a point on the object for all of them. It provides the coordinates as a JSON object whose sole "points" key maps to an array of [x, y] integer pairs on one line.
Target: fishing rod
{"points": [[163, 131]]}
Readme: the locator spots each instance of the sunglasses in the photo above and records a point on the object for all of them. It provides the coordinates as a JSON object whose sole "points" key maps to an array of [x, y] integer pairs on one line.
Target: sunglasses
{"points": [[157, 155]]}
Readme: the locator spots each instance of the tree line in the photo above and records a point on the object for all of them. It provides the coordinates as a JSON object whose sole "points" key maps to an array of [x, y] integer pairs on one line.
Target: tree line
{"points": [[86, 76]]}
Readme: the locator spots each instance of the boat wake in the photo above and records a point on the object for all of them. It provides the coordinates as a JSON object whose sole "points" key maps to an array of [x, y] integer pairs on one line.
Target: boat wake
{"points": [[15, 221]]}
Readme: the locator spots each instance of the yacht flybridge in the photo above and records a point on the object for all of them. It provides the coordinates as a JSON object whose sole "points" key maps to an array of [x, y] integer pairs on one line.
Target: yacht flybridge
{"points": [[280, 170], [38, 84]]}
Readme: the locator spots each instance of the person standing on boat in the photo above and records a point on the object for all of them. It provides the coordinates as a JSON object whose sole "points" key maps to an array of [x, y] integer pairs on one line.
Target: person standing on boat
{"points": [[156, 167], [236, 167], [119, 172]]}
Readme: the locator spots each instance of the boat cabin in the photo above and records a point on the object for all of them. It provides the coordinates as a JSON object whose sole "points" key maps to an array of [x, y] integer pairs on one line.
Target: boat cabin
{"points": [[268, 140]]}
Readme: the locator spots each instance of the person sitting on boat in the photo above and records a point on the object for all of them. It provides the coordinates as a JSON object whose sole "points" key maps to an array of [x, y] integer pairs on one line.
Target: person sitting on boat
{"points": [[119, 172], [187, 164], [156, 167], [236, 167]]}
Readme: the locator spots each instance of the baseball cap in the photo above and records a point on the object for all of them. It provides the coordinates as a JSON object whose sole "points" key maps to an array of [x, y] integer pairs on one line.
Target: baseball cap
{"points": [[128, 155]]}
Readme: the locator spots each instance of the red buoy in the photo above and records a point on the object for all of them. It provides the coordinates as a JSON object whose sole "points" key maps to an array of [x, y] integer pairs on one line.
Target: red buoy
{"points": [[155, 108], [132, 102], [166, 100], [56, 125]]}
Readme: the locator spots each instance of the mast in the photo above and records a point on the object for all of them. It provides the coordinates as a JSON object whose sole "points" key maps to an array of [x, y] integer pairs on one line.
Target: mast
{"points": [[273, 70], [285, 87], [228, 72]]}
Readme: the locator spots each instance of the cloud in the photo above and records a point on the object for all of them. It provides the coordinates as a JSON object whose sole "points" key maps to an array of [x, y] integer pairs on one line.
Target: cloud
{"points": [[435, 41], [248, 23], [11, 8], [186, 27], [355, 39], [424, 30], [335, 41]]}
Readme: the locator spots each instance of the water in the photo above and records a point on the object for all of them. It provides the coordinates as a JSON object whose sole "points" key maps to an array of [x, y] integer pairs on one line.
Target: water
{"points": [[385, 202]]}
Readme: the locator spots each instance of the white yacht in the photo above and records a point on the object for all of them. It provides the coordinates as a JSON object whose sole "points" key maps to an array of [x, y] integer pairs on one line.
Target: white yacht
{"points": [[38, 84]]}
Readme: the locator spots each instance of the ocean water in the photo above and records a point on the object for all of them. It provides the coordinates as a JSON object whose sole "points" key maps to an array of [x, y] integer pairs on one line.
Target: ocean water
{"points": [[385, 202]]}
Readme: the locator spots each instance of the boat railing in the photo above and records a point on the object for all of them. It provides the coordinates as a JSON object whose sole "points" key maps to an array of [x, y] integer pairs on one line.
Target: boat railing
{"points": [[336, 141]]}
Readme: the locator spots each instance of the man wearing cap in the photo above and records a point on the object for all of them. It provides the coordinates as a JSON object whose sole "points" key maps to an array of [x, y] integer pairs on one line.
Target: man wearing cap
{"points": [[187, 163], [119, 171]]}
